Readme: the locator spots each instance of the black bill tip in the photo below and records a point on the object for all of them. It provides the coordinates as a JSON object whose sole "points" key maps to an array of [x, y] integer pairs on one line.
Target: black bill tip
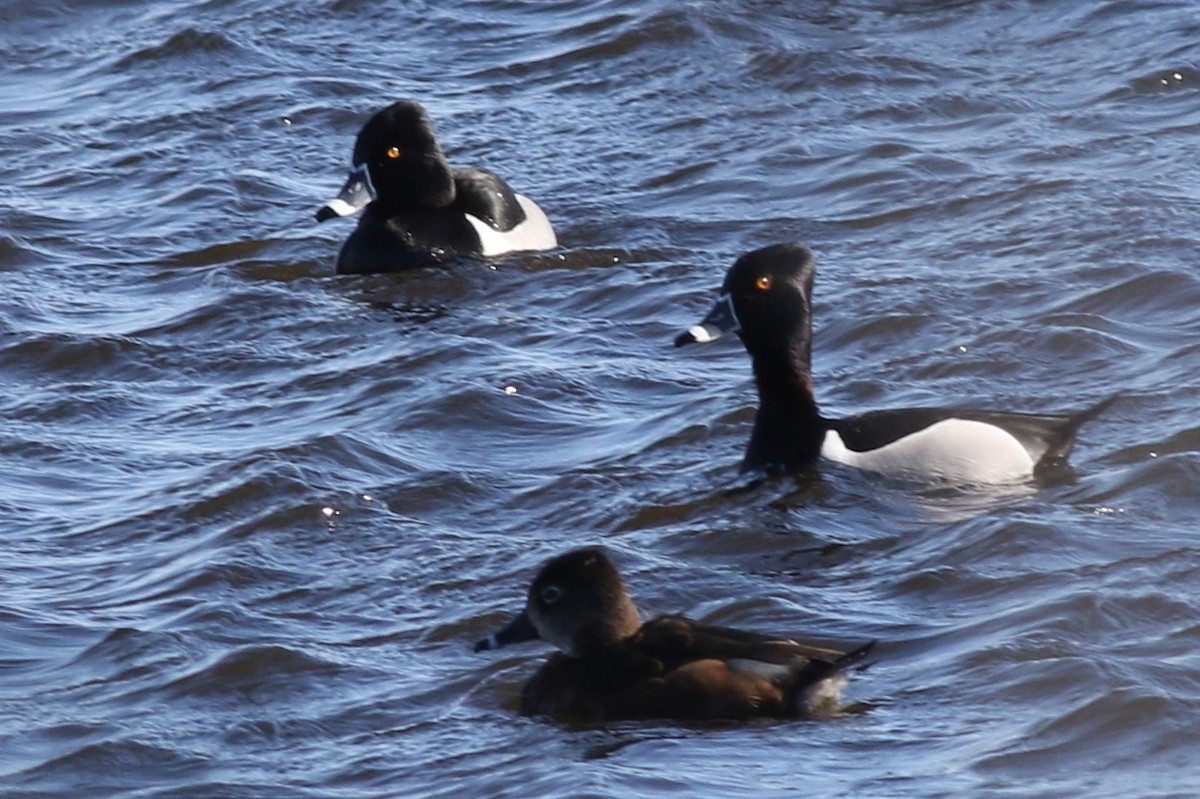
{"points": [[518, 630]]}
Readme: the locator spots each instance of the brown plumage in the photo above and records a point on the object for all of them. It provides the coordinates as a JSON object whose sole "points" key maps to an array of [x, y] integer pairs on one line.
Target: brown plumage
{"points": [[614, 667]]}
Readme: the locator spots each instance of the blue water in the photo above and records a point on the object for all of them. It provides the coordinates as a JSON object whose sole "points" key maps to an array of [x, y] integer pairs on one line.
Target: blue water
{"points": [[257, 513]]}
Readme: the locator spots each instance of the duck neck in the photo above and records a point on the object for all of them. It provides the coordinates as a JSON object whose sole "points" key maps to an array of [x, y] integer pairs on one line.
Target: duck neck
{"points": [[619, 623], [788, 428]]}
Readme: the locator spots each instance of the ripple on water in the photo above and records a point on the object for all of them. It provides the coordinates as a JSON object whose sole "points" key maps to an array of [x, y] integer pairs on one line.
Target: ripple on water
{"points": [[114, 766], [258, 512]]}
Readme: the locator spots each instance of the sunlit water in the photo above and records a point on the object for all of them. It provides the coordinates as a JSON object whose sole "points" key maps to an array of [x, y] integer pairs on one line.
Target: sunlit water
{"points": [[256, 513]]}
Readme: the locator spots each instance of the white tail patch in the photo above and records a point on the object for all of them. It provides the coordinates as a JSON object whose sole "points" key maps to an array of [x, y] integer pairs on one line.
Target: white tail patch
{"points": [[956, 450], [535, 233]]}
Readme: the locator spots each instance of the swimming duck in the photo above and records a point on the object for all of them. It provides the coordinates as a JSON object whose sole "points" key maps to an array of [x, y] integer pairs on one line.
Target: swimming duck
{"points": [[419, 209], [612, 666], [767, 300]]}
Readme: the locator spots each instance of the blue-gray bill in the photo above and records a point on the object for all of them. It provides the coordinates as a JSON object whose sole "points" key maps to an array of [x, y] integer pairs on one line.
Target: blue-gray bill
{"points": [[353, 197], [518, 630], [720, 320]]}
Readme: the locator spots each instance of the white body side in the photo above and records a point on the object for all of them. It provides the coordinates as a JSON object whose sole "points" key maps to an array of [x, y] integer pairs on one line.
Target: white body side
{"points": [[956, 450], [535, 233]]}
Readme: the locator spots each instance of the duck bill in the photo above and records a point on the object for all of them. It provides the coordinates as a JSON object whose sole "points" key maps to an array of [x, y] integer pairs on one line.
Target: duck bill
{"points": [[721, 319], [518, 630], [353, 197]]}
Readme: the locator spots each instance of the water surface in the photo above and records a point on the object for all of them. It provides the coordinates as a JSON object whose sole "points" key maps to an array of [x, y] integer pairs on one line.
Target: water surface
{"points": [[257, 512]]}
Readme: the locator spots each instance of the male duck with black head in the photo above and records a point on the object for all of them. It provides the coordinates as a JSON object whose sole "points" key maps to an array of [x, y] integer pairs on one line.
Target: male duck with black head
{"points": [[612, 666], [419, 209], [767, 300]]}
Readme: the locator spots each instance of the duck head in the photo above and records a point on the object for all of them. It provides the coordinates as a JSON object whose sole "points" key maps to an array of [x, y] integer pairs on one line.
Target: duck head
{"points": [[577, 602], [767, 300], [397, 162]]}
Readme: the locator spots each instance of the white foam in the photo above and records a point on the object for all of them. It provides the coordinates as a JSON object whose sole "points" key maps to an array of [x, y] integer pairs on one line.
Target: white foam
{"points": [[534, 233], [956, 450]]}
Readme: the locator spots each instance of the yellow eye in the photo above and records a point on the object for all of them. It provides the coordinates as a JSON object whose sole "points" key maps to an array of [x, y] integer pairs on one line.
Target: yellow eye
{"points": [[763, 283], [393, 153]]}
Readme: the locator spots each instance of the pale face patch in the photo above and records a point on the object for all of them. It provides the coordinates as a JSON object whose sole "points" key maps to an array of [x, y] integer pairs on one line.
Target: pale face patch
{"points": [[551, 633], [954, 450]]}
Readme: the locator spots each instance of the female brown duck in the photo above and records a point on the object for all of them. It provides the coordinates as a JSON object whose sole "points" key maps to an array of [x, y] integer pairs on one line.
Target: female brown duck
{"points": [[612, 666]]}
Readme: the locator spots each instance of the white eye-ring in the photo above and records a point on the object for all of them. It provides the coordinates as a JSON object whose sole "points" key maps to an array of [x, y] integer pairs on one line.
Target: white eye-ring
{"points": [[551, 594]]}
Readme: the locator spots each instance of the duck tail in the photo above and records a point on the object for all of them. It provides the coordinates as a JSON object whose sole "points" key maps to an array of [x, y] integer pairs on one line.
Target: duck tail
{"points": [[854, 656], [1077, 420], [818, 683], [1062, 440]]}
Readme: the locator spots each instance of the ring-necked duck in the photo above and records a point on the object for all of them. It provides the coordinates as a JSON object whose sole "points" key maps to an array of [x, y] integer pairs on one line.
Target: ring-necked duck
{"points": [[419, 209], [612, 666], [767, 299]]}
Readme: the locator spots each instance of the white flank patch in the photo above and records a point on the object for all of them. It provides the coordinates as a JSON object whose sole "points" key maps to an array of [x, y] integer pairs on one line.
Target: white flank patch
{"points": [[774, 672], [956, 450], [535, 233], [701, 334]]}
